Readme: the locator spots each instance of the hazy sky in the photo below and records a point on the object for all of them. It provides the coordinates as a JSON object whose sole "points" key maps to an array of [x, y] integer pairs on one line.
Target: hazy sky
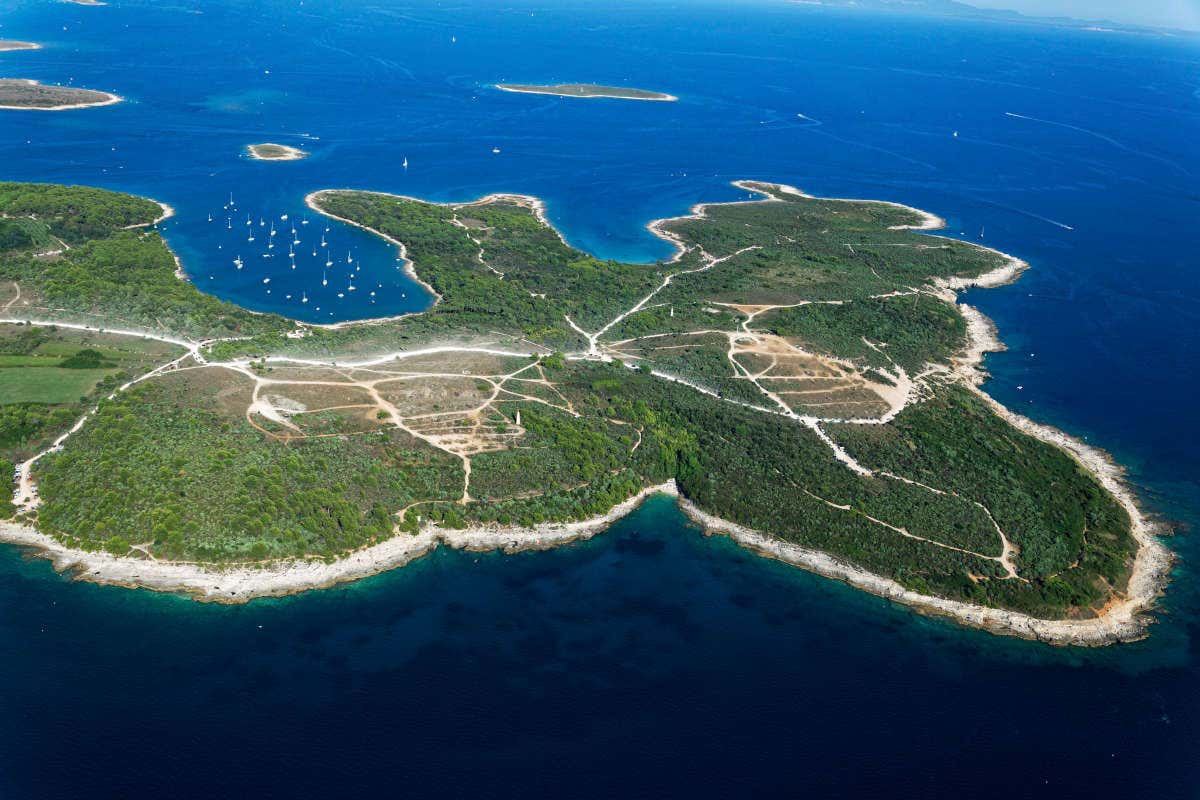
{"points": [[1167, 13]]}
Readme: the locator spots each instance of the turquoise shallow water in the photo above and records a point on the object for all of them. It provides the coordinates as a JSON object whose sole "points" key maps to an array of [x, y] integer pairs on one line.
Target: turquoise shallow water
{"points": [[649, 660]]}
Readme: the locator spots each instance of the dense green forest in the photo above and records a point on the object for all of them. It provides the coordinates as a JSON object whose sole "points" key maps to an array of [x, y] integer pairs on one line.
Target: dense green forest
{"points": [[211, 489], [910, 330], [7, 473]]}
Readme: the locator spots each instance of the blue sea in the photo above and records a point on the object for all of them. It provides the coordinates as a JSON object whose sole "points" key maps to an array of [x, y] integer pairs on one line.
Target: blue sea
{"points": [[650, 661]]}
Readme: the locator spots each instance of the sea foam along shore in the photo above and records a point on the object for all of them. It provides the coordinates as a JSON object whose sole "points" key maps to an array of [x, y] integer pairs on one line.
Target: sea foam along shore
{"points": [[1125, 619]]}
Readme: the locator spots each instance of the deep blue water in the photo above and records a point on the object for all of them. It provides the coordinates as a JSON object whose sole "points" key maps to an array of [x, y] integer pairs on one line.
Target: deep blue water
{"points": [[649, 661]]}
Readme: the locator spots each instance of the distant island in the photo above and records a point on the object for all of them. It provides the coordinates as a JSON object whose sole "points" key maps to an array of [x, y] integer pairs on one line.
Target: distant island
{"points": [[86, 2], [269, 151], [586, 90], [800, 376], [28, 95], [9, 44]]}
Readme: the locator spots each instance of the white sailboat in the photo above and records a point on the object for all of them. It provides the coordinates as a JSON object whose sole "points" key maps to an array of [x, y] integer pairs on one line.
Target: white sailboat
{"points": [[324, 280], [349, 260], [304, 297], [237, 262], [405, 164], [328, 260]]}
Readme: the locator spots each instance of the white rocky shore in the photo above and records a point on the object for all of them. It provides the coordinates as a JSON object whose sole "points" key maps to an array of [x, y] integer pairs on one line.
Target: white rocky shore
{"points": [[239, 584]]}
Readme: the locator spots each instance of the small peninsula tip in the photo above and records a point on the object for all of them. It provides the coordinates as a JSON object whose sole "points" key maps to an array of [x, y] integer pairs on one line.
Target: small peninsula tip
{"points": [[269, 151], [27, 95], [9, 44], [587, 90]]}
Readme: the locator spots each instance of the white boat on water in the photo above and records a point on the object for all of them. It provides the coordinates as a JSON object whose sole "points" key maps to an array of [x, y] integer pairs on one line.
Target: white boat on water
{"points": [[237, 262]]}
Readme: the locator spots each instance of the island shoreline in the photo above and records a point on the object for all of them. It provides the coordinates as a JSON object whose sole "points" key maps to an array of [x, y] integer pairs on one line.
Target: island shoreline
{"points": [[288, 153], [110, 99], [1125, 619], [658, 97]]}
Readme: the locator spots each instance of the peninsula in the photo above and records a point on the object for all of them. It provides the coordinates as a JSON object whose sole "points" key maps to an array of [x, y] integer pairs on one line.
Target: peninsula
{"points": [[275, 152], [800, 375], [586, 90], [9, 44], [29, 95]]}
